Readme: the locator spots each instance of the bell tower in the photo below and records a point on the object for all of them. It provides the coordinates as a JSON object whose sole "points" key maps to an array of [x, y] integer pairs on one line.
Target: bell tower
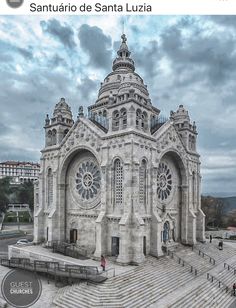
{"points": [[58, 126], [187, 130]]}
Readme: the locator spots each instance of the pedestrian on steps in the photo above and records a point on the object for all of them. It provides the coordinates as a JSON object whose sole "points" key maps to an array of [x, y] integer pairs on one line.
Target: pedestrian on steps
{"points": [[103, 263], [234, 288], [221, 245], [210, 238]]}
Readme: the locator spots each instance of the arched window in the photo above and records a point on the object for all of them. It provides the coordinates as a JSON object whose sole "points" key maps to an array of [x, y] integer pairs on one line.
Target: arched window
{"points": [[49, 187], [115, 120], [54, 137], [49, 138], [193, 143], [143, 182], [138, 116], [144, 120], [118, 182], [193, 188], [65, 132], [123, 113], [104, 113], [189, 142]]}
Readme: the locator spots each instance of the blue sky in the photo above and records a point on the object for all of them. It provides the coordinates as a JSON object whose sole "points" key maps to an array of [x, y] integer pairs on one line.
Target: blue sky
{"points": [[187, 60]]}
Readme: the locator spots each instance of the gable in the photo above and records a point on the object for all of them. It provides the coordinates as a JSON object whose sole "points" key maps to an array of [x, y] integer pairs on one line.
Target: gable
{"points": [[167, 137], [84, 133]]}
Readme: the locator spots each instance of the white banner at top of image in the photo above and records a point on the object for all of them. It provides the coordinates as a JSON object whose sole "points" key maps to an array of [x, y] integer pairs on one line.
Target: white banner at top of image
{"points": [[120, 7]]}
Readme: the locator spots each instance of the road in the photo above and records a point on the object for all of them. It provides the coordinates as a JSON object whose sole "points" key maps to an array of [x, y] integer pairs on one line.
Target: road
{"points": [[10, 241]]}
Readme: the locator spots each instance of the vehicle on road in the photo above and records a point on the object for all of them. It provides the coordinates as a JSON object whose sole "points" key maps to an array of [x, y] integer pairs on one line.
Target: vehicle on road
{"points": [[23, 241]]}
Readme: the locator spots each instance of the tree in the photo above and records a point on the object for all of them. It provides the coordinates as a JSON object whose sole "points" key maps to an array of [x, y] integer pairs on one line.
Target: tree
{"points": [[213, 209], [5, 191], [25, 193]]}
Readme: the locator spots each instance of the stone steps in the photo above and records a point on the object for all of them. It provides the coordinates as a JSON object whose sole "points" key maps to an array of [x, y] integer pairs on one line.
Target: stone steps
{"points": [[155, 280], [145, 286], [213, 251], [201, 264], [205, 296]]}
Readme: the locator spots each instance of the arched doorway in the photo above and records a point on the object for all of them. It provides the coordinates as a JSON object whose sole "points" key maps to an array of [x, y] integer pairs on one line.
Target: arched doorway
{"points": [[73, 236], [166, 232], [171, 180]]}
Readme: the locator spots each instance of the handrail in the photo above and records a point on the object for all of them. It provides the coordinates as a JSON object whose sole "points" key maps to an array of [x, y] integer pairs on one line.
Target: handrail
{"points": [[203, 254], [230, 267], [110, 269], [182, 262], [54, 268], [212, 278], [68, 249]]}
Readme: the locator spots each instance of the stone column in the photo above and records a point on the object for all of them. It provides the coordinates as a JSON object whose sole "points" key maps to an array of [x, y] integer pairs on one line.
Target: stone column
{"points": [[125, 241], [200, 232], [61, 188], [156, 229], [138, 233], [184, 214], [101, 236]]}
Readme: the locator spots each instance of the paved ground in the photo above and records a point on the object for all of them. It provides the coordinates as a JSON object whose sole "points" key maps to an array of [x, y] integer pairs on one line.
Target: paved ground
{"points": [[47, 253], [11, 241], [48, 291]]}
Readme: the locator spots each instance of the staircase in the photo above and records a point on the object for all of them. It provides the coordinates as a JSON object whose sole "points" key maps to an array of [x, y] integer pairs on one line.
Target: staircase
{"points": [[201, 264], [143, 286], [213, 251], [162, 283], [206, 295]]}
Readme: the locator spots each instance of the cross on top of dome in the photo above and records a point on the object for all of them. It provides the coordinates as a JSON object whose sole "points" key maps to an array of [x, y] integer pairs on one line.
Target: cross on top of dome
{"points": [[123, 61], [124, 39], [123, 50]]}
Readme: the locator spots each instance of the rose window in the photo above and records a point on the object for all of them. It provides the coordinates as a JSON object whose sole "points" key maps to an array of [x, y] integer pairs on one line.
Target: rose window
{"points": [[88, 180], [164, 182]]}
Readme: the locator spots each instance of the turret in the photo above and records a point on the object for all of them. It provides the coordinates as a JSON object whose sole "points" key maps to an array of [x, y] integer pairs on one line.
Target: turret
{"points": [[58, 126], [187, 131]]}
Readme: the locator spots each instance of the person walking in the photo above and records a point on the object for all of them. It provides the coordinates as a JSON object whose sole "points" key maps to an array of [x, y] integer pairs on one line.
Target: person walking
{"points": [[210, 238], [103, 263], [221, 245], [234, 288]]}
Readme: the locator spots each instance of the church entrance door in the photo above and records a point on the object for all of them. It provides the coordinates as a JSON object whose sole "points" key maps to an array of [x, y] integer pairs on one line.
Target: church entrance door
{"points": [[115, 246], [144, 246], [166, 231], [73, 235]]}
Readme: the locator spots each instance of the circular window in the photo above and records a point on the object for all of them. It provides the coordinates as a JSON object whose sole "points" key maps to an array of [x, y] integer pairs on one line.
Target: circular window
{"points": [[88, 180], [164, 182]]}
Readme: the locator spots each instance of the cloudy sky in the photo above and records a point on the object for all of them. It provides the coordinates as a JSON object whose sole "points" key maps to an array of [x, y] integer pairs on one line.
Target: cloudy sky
{"points": [[185, 60]]}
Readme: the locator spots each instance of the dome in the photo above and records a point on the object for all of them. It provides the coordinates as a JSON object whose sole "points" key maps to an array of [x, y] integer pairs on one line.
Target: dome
{"points": [[62, 109], [181, 114], [122, 78]]}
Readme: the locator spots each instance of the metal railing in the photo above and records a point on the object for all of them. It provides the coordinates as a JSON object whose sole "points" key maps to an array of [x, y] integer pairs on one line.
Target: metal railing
{"points": [[156, 123], [99, 120], [88, 273], [182, 262], [69, 249], [220, 283], [229, 267], [203, 254]]}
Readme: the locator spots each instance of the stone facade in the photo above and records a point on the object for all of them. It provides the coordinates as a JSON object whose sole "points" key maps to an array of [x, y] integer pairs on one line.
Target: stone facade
{"points": [[120, 182]]}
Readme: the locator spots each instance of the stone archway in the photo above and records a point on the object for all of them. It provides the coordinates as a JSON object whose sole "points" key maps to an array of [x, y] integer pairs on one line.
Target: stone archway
{"points": [[79, 197], [166, 232], [170, 210]]}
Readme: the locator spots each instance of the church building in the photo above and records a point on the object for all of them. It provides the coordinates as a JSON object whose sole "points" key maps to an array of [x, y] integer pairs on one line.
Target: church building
{"points": [[119, 181]]}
